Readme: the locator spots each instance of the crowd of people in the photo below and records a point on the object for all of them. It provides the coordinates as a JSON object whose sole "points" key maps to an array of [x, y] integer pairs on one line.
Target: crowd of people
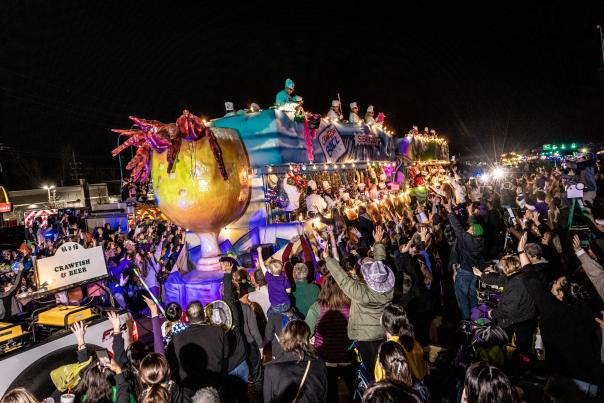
{"points": [[451, 288], [151, 246]]}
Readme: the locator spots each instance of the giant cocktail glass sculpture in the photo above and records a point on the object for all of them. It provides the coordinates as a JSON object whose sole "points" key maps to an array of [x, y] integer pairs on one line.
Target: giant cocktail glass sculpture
{"points": [[201, 175]]}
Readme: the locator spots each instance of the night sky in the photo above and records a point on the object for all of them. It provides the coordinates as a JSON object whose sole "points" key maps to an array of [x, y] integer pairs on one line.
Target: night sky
{"points": [[504, 77]]}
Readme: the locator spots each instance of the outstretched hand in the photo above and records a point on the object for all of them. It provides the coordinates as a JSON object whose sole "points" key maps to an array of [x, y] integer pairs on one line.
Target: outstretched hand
{"points": [[115, 367], [601, 321], [152, 306], [378, 234], [79, 331], [522, 242], [115, 321], [407, 247], [577, 243], [476, 272]]}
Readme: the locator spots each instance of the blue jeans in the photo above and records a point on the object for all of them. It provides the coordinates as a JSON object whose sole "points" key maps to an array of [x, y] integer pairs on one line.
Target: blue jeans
{"points": [[241, 371], [587, 388], [281, 308], [465, 292]]}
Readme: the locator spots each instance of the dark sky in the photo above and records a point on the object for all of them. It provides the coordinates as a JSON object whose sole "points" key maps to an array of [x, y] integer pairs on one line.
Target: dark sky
{"points": [[488, 78]]}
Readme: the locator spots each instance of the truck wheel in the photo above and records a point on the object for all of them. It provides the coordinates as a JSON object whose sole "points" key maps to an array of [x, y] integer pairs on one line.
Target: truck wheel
{"points": [[36, 377]]}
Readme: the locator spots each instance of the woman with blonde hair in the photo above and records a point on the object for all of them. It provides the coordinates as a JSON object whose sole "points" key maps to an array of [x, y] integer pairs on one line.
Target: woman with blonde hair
{"points": [[516, 312], [19, 395]]}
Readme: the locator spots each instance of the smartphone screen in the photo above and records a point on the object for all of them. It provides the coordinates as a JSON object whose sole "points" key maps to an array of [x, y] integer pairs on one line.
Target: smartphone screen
{"points": [[103, 357], [421, 217]]}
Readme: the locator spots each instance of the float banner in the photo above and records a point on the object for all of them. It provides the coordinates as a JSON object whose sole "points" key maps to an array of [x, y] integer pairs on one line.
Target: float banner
{"points": [[351, 142], [71, 266]]}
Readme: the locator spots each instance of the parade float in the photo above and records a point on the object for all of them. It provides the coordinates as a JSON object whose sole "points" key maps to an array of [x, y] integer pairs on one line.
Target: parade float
{"points": [[238, 180]]}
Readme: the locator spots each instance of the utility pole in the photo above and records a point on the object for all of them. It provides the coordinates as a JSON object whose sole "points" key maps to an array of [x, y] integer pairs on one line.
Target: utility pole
{"points": [[601, 69], [601, 29], [76, 169]]}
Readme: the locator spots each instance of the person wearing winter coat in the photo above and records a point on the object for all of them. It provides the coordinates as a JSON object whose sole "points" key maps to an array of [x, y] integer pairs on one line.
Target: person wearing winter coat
{"points": [[368, 297], [298, 375], [470, 250], [515, 312]]}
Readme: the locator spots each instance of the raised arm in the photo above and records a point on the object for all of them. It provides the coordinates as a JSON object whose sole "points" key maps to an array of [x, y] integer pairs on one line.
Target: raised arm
{"points": [[79, 331], [261, 260], [158, 343], [288, 248], [593, 269], [119, 352], [122, 386], [354, 289], [524, 260], [379, 250], [14, 286], [158, 249]]}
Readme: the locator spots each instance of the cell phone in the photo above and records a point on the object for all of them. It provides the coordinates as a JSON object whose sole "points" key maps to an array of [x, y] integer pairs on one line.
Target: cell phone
{"points": [[103, 357], [421, 217]]}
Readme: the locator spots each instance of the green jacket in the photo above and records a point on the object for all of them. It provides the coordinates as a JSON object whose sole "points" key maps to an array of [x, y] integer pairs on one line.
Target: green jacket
{"points": [[366, 305]]}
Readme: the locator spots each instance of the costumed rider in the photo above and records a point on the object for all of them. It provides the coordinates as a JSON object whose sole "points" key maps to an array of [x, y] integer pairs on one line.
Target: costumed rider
{"points": [[369, 119], [297, 104], [230, 109], [354, 113], [314, 202], [285, 95], [328, 195], [293, 196], [335, 112]]}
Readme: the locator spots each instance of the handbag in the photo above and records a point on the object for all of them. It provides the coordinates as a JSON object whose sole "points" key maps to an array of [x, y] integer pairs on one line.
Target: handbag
{"points": [[302, 382]]}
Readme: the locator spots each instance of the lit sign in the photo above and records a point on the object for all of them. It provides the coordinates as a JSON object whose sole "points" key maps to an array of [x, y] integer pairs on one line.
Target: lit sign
{"points": [[5, 205], [70, 266]]}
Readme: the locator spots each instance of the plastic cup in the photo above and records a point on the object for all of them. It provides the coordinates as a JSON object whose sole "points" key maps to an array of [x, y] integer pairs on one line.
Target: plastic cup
{"points": [[67, 398]]}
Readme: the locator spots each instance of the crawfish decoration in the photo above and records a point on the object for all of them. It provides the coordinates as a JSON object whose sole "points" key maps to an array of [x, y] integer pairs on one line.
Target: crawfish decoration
{"points": [[149, 135]]}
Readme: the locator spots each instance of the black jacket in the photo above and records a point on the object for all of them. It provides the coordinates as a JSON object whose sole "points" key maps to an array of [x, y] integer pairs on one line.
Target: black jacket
{"points": [[409, 281], [516, 305], [236, 341], [470, 248], [198, 356], [365, 227], [569, 333], [283, 376]]}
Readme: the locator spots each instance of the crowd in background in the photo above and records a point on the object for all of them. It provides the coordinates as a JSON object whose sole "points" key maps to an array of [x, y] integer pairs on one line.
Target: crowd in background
{"points": [[457, 288], [151, 246]]}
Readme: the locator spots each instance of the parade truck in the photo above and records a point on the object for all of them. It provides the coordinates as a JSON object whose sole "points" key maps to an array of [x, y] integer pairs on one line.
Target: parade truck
{"points": [[36, 342], [31, 350]]}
